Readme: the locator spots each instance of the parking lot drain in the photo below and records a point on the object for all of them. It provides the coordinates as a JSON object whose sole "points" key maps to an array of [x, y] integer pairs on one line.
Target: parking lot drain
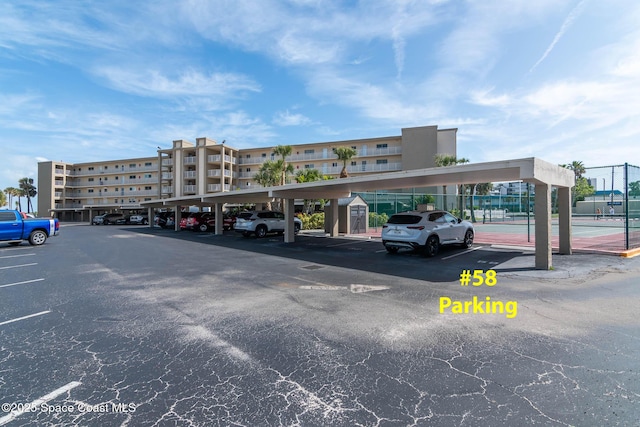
{"points": [[312, 267]]}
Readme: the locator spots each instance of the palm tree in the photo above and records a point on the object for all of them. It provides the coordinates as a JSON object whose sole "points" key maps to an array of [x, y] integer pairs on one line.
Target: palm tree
{"points": [[3, 199], [268, 176], [283, 151], [308, 175], [344, 154], [28, 190], [11, 192], [443, 160]]}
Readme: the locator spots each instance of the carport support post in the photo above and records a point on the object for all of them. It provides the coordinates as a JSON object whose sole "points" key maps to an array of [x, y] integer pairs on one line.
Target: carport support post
{"points": [[289, 213], [542, 209], [150, 216], [333, 217], [176, 218], [217, 209], [564, 219]]}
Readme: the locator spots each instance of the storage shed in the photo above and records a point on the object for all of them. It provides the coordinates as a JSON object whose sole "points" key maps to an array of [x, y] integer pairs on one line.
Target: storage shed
{"points": [[353, 215]]}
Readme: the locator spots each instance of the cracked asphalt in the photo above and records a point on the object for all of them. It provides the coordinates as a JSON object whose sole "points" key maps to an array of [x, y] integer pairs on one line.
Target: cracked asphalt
{"points": [[195, 329]]}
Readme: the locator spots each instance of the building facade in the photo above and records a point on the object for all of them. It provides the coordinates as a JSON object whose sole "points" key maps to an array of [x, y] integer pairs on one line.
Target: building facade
{"points": [[77, 191]]}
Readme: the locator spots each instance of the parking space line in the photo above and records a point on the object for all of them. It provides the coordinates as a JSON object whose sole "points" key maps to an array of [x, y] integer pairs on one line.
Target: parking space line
{"points": [[20, 283], [6, 322], [44, 399], [347, 243], [462, 253], [15, 256], [21, 265]]}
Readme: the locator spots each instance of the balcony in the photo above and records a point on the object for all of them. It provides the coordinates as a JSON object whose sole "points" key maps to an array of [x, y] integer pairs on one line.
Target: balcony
{"points": [[254, 160], [189, 189], [167, 175], [190, 160], [214, 158], [167, 162], [214, 172], [190, 174], [166, 189]]}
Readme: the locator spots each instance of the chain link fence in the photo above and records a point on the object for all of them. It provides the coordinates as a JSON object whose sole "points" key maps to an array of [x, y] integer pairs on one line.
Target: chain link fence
{"points": [[606, 205]]}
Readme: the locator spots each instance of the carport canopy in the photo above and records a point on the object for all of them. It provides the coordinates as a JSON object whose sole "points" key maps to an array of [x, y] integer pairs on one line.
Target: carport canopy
{"points": [[542, 174]]}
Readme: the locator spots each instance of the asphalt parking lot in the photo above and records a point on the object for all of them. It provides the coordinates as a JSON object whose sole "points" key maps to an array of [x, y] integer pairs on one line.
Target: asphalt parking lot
{"points": [[124, 325]]}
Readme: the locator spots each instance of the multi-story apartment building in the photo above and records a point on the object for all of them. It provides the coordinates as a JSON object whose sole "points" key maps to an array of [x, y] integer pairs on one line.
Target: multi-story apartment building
{"points": [[188, 169], [76, 191]]}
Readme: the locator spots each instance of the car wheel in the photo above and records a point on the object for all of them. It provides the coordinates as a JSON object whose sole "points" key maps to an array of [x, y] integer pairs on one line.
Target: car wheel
{"points": [[468, 239], [432, 246], [261, 231], [203, 227], [37, 237], [391, 249], [296, 228], [105, 222]]}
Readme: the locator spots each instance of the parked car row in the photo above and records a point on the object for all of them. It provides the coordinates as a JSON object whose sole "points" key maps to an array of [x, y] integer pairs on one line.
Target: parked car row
{"points": [[120, 218], [414, 230]]}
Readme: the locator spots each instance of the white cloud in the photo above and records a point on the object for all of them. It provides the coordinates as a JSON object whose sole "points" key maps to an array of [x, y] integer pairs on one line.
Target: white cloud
{"points": [[285, 118], [189, 83]]}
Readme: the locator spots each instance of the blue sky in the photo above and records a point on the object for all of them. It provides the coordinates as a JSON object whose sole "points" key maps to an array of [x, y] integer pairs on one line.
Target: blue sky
{"points": [[92, 80]]}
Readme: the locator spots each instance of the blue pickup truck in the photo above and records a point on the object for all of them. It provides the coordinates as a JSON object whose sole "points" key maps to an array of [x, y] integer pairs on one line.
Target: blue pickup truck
{"points": [[16, 227]]}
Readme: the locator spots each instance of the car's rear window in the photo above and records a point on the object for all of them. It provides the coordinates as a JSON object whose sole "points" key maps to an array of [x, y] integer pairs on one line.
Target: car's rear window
{"points": [[404, 219], [245, 215]]}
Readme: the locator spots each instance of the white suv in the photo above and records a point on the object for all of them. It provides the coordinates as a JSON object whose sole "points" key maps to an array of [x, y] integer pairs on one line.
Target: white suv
{"points": [[425, 231], [263, 222]]}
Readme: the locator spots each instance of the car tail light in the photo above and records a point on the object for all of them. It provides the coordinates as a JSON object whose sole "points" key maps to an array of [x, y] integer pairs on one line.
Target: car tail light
{"points": [[385, 226], [415, 227]]}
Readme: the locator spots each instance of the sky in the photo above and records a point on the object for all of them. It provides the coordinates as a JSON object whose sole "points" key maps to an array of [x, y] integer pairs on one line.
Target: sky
{"points": [[102, 80]]}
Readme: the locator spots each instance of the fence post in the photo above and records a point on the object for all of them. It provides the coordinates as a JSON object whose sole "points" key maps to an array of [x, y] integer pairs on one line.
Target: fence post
{"points": [[626, 206]]}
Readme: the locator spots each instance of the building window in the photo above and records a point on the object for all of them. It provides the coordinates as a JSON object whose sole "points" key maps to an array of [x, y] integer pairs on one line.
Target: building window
{"points": [[353, 163], [148, 175], [91, 179], [248, 170], [130, 188], [354, 147], [382, 161], [106, 167], [147, 187], [90, 190], [116, 188], [132, 165], [90, 168], [117, 177], [334, 165], [310, 166], [132, 177], [382, 145], [148, 164], [248, 156], [309, 151], [264, 154], [116, 166]]}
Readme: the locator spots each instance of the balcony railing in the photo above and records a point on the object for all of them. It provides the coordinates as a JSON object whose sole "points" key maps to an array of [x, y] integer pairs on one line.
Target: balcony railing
{"points": [[167, 162], [190, 174], [189, 188], [190, 160], [214, 172]]}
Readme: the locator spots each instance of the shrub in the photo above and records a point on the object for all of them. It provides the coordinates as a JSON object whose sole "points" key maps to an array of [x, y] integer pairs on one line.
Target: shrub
{"points": [[377, 220], [312, 222]]}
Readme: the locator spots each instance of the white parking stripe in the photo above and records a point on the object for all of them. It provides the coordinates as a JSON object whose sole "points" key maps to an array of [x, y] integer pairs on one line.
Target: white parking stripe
{"points": [[20, 283], [462, 253], [21, 265], [44, 399], [15, 256], [24, 317]]}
